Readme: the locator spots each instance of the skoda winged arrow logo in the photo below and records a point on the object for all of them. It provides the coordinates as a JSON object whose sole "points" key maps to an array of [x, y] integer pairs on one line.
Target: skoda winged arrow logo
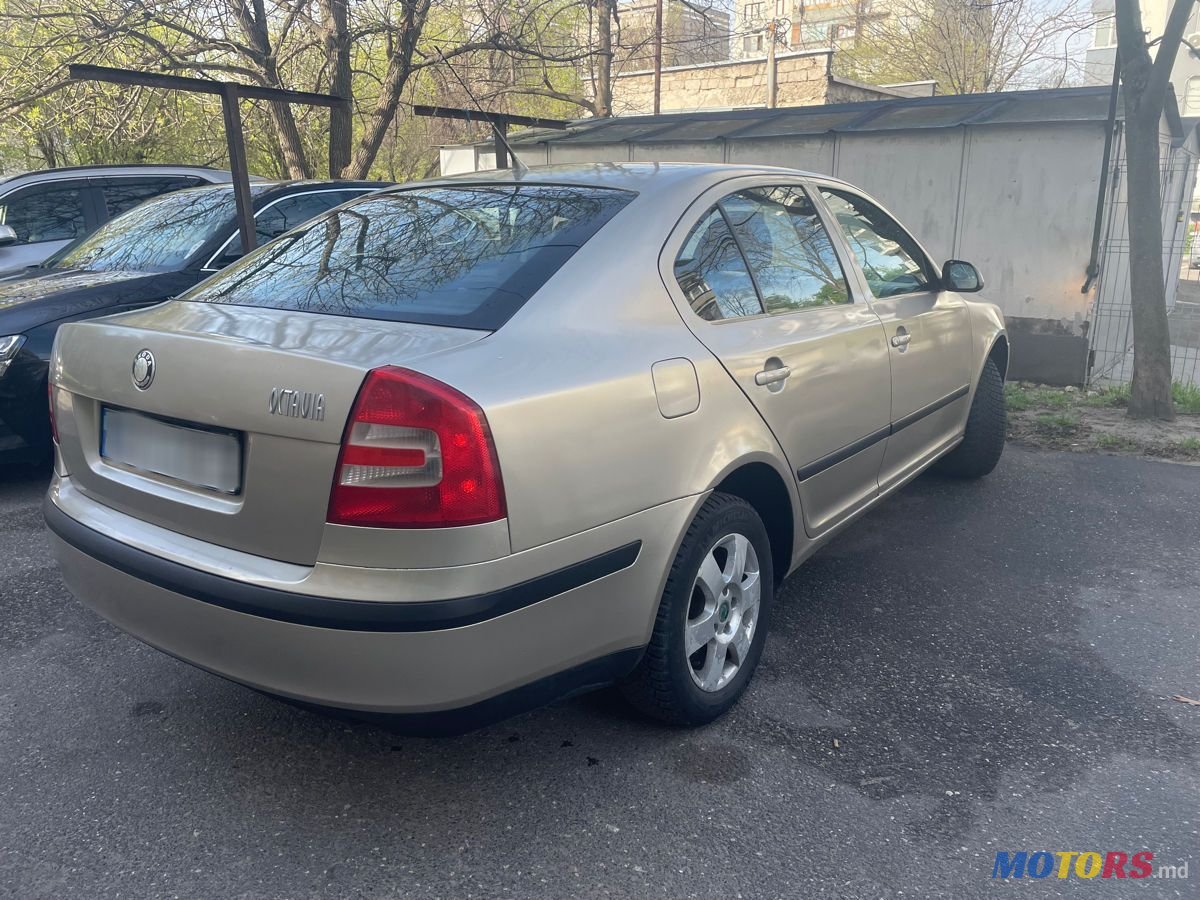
{"points": [[143, 370]]}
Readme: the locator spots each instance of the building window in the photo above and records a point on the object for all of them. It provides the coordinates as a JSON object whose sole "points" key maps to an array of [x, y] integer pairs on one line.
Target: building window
{"points": [[782, 8], [1105, 34], [814, 35], [1191, 97], [752, 12], [752, 43]]}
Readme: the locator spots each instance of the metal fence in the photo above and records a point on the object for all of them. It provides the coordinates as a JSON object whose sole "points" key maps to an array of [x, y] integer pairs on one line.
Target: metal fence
{"points": [[1111, 323]]}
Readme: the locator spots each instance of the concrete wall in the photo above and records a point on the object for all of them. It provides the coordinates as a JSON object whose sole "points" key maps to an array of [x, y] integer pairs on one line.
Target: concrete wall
{"points": [[801, 81]]}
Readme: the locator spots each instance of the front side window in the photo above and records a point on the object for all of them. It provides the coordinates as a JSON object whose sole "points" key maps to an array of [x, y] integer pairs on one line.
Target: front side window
{"points": [[712, 273], [122, 195], [160, 235], [890, 259], [465, 256], [45, 214], [283, 216], [789, 251]]}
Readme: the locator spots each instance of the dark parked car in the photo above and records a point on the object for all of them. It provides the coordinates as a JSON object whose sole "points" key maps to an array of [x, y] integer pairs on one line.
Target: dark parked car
{"points": [[145, 256], [42, 212]]}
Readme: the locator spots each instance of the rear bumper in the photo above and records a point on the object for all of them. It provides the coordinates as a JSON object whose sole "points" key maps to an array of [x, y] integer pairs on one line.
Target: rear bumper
{"points": [[448, 664], [335, 613]]}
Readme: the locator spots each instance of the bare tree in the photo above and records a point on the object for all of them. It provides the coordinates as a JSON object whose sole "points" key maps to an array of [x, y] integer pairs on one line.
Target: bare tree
{"points": [[614, 39], [966, 46], [1145, 82]]}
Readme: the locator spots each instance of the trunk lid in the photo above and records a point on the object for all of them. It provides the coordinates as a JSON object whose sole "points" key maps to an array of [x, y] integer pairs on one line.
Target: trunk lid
{"points": [[273, 387]]}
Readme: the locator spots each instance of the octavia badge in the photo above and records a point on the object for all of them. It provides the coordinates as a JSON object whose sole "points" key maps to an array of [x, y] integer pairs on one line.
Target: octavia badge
{"points": [[143, 370]]}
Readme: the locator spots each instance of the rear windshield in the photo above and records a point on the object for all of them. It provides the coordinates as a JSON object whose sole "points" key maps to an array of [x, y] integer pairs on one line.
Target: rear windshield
{"points": [[160, 235], [463, 256]]}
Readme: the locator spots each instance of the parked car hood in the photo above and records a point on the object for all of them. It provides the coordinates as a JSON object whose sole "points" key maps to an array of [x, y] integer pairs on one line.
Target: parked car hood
{"points": [[35, 297]]}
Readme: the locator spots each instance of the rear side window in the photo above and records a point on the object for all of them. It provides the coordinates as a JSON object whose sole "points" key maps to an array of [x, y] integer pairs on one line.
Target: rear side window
{"points": [[712, 273], [45, 214], [463, 256], [122, 195]]}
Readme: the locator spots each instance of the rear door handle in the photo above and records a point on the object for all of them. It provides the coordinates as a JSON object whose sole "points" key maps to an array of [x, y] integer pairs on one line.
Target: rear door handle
{"points": [[772, 376], [900, 340]]}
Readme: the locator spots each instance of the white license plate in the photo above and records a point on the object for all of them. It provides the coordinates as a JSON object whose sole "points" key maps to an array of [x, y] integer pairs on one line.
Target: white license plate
{"points": [[194, 456]]}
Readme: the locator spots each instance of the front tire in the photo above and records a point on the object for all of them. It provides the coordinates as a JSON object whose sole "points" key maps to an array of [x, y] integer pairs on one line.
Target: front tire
{"points": [[987, 425], [712, 618]]}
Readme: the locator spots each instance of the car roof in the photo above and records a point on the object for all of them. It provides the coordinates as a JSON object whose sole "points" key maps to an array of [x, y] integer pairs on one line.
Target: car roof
{"points": [[68, 172], [640, 177], [270, 190]]}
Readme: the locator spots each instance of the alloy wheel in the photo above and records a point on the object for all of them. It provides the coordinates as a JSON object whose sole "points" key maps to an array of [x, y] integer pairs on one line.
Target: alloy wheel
{"points": [[723, 612]]}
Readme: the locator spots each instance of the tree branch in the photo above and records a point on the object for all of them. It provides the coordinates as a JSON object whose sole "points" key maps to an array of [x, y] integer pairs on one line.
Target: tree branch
{"points": [[1168, 49]]}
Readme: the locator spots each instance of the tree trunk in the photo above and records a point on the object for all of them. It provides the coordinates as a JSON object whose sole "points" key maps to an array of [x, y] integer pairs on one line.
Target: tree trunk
{"points": [[336, 39], [252, 20], [399, 69], [1150, 393], [1145, 83], [604, 14], [290, 144]]}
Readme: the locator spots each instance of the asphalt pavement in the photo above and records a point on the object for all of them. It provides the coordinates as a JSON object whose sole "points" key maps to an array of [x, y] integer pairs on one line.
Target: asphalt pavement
{"points": [[973, 667]]}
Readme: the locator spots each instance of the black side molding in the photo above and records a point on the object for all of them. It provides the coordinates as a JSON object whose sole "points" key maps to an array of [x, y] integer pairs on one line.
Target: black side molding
{"points": [[844, 453], [933, 407], [332, 612]]}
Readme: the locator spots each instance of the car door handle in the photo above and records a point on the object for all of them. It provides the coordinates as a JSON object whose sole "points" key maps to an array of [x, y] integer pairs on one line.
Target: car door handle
{"points": [[772, 376], [900, 340]]}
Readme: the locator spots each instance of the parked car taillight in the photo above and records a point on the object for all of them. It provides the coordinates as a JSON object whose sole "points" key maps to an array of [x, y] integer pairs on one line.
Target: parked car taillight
{"points": [[416, 454]]}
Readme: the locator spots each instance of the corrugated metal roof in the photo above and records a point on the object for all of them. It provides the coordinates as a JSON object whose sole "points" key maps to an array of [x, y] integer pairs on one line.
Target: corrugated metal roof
{"points": [[1084, 104]]}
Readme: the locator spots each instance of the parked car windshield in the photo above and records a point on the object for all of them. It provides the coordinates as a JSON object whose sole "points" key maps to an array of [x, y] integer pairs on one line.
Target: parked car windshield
{"points": [[160, 235], [464, 256]]}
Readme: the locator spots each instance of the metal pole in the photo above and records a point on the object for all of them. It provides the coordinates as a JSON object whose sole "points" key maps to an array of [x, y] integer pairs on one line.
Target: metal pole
{"points": [[658, 11], [500, 130], [771, 64], [1093, 266], [237, 164]]}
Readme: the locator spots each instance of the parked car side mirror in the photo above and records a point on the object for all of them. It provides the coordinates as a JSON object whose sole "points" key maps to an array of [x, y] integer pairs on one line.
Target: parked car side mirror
{"points": [[961, 277], [7, 235]]}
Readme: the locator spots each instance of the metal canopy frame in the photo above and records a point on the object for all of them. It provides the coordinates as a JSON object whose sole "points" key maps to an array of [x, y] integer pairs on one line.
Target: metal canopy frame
{"points": [[230, 93], [498, 121]]}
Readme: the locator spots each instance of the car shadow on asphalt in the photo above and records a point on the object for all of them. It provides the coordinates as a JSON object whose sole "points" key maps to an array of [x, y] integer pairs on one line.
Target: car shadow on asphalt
{"points": [[20, 486]]}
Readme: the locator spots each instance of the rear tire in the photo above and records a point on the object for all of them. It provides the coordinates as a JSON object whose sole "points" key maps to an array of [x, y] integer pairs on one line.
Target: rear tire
{"points": [[987, 424], [712, 619]]}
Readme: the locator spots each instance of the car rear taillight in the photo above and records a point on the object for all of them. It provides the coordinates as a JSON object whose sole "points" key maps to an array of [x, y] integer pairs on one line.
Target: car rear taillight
{"points": [[416, 454], [53, 422]]}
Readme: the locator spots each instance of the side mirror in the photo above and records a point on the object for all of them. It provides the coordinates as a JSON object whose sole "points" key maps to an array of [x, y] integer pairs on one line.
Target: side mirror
{"points": [[961, 277], [7, 235]]}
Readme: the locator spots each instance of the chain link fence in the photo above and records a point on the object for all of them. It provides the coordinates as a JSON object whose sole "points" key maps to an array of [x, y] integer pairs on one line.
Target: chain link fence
{"points": [[1111, 321]]}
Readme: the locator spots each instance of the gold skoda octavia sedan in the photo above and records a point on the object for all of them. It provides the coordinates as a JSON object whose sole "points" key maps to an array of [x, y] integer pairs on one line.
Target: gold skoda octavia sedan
{"points": [[463, 447]]}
